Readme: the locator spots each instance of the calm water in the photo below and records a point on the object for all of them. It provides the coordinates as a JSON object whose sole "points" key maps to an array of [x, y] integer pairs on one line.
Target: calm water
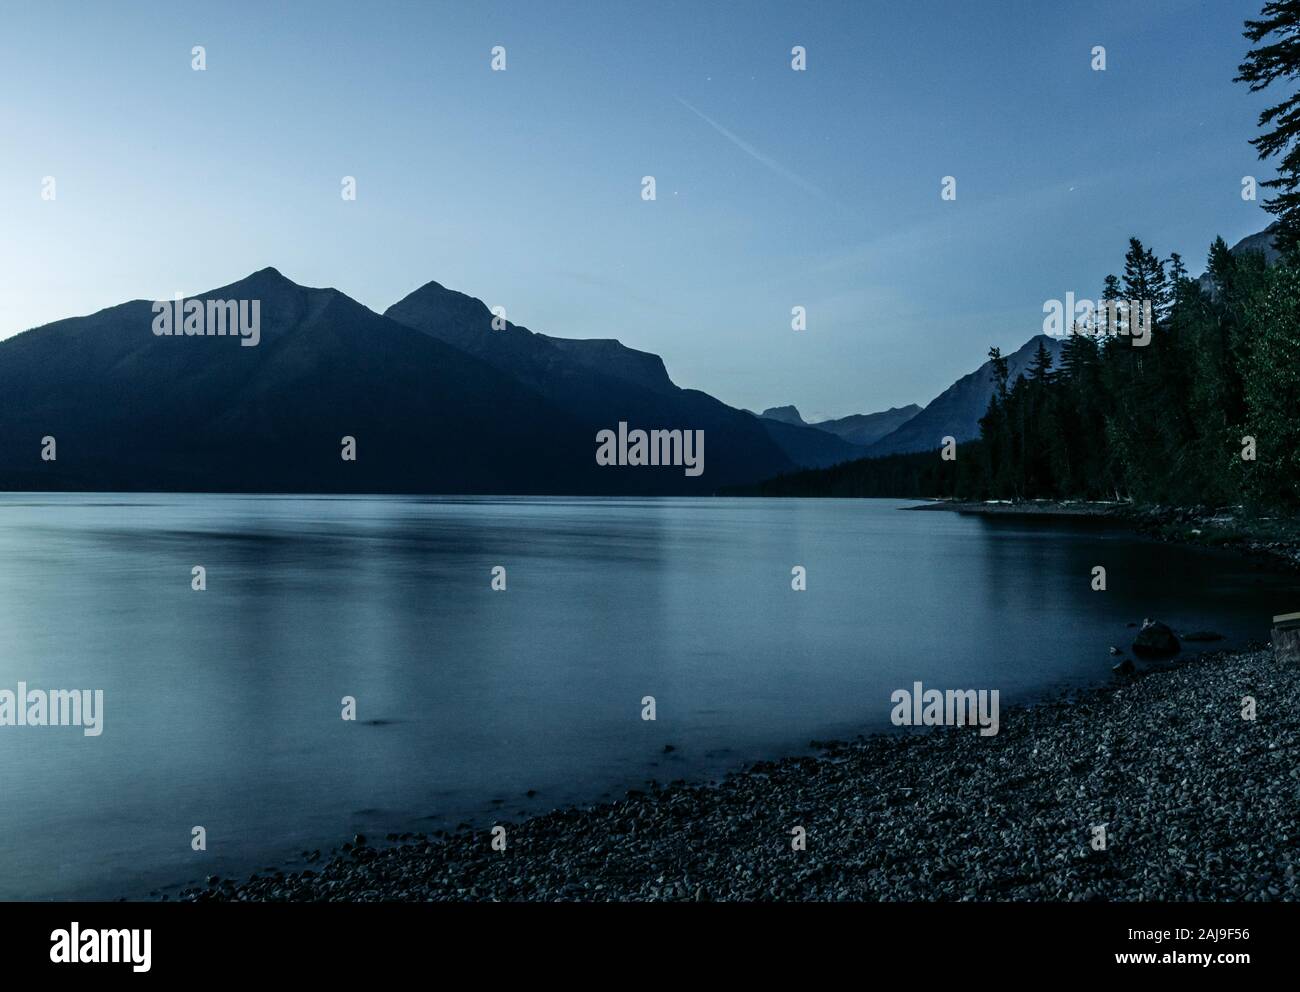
{"points": [[222, 708]]}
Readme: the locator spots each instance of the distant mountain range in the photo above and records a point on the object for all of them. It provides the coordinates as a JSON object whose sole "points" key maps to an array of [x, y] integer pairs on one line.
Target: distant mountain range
{"points": [[603, 382], [956, 412], [437, 399], [862, 429]]}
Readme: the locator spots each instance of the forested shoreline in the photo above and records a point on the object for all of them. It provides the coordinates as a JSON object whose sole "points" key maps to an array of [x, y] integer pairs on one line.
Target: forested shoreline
{"points": [[1206, 412]]}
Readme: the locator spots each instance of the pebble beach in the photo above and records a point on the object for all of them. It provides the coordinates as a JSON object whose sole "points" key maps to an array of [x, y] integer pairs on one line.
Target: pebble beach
{"points": [[1198, 802]]}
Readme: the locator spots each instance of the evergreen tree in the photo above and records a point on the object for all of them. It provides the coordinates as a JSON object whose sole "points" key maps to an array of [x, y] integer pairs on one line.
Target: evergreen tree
{"points": [[1040, 369], [1274, 60], [1272, 392], [1001, 372]]}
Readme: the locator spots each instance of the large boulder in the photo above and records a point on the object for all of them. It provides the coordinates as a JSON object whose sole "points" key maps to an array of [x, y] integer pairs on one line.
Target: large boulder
{"points": [[1155, 640]]}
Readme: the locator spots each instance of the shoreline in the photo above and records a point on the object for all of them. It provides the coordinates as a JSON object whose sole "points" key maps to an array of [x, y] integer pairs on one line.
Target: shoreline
{"points": [[1025, 508], [1196, 799], [1272, 538]]}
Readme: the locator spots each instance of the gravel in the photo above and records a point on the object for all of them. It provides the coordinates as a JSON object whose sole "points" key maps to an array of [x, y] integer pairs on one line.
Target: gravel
{"points": [[1198, 804]]}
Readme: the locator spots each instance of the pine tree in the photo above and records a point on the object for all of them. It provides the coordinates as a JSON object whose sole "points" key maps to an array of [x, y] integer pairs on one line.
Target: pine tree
{"points": [[1272, 388], [1040, 369], [1078, 356], [1177, 271], [1145, 279], [1001, 372], [1278, 59]]}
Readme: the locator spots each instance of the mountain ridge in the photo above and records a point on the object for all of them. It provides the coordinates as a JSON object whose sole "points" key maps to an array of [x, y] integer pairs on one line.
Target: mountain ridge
{"points": [[603, 379], [956, 411], [447, 402]]}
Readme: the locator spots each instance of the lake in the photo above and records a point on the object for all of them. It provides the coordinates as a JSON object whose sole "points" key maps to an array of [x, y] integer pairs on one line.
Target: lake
{"points": [[222, 708]]}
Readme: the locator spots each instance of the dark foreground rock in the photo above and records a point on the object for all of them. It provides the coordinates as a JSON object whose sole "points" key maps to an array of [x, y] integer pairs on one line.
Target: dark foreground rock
{"points": [[1198, 802], [1155, 640]]}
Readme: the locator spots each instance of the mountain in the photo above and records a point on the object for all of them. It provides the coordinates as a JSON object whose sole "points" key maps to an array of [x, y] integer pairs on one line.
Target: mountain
{"points": [[809, 447], [1261, 241], [859, 430], [549, 365], [865, 429], [957, 410], [602, 382], [785, 415], [437, 400], [130, 410], [134, 411]]}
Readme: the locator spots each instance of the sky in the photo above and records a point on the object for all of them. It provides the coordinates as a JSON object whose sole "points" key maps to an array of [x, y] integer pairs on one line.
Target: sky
{"points": [[775, 188]]}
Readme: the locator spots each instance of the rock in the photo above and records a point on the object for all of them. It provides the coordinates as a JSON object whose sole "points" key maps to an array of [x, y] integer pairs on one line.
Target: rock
{"points": [[1125, 667], [1155, 640], [359, 840], [1114, 650]]}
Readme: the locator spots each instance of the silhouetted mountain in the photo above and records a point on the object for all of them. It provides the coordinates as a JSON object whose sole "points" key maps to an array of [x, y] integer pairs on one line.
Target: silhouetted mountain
{"points": [[437, 400], [550, 365], [857, 431], [957, 410], [865, 429], [134, 411], [809, 447], [1261, 241], [785, 414], [602, 382]]}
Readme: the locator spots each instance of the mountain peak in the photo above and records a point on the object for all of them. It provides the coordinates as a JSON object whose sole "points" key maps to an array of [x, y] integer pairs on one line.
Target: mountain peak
{"points": [[435, 291], [786, 414], [264, 282], [456, 317], [270, 276]]}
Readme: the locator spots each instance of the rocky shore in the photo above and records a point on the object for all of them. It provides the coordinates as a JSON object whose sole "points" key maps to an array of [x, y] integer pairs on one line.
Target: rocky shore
{"points": [[1198, 803]]}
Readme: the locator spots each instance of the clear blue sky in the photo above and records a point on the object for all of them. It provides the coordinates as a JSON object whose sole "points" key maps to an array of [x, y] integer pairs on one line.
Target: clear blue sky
{"points": [[775, 187]]}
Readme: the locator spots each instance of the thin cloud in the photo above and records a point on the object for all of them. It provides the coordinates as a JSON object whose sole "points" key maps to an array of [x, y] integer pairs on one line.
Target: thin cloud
{"points": [[756, 155]]}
